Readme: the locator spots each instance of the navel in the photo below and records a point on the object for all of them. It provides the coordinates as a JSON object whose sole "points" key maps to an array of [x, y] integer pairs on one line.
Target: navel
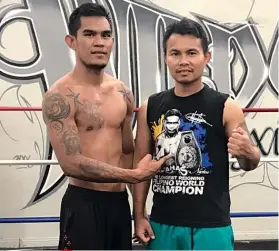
{"points": [[89, 128]]}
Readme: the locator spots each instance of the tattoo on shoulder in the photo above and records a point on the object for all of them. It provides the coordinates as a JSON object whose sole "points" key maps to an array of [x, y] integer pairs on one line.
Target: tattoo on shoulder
{"points": [[75, 97], [126, 93], [70, 140], [56, 108]]}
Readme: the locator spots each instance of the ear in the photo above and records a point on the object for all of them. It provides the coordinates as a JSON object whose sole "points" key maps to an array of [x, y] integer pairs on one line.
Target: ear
{"points": [[207, 57], [165, 57], [71, 41]]}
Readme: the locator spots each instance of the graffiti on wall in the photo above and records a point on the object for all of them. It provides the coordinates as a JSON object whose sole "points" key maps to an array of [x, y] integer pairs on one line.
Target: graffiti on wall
{"points": [[138, 60]]}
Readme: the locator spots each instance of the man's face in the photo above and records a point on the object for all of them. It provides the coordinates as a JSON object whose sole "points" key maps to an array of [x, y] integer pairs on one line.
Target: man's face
{"points": [[172, 124], [185, 58], [93, 43]]}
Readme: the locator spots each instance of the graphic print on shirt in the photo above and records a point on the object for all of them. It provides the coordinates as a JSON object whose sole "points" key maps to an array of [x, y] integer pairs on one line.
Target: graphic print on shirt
{"points": [[184, 136]]}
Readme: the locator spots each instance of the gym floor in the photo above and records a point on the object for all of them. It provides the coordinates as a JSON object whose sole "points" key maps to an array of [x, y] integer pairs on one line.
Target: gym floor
{"points": [[239, 245]]}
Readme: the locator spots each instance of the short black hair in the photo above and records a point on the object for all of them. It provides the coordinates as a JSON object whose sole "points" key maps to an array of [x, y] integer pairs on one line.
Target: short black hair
{"points": [[186, 27], [86, 10], [173, 112]]}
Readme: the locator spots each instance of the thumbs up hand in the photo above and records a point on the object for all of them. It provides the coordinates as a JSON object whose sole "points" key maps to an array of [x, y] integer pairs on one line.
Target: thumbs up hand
{"points": [[239, 145]]}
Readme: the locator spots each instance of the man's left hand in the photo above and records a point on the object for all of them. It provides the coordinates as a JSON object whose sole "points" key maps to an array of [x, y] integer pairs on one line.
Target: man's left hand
{"points": [[239, 145]]}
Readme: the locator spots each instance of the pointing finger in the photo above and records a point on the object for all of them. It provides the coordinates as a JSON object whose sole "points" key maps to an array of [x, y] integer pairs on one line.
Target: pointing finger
{"points": [[165, 158]]}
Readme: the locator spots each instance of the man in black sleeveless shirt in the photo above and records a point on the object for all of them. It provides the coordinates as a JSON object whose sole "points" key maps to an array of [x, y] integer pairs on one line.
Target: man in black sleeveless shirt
{"points": [[200, 127]]}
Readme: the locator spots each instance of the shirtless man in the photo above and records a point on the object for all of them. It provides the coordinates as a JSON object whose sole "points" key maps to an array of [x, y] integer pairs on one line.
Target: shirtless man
{"points": [[88, 116]]}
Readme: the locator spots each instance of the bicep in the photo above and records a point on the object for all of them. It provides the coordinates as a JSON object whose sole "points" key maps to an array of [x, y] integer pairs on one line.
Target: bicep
{"points": [[127, 135], [58, 114], [127, 127], [233, 117], [143, 137]]}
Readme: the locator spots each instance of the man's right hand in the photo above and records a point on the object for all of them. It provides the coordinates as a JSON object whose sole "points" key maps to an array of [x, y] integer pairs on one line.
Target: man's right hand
{"points": [[143, 231], [148, 167]]}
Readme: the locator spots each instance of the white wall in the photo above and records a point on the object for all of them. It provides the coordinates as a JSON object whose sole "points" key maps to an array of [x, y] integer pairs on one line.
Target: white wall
{"points": [[23, 134]]}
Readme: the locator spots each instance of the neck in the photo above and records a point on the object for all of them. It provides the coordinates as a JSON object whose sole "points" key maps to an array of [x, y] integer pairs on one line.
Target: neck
{"points": [[184, 90], [88, 76]]}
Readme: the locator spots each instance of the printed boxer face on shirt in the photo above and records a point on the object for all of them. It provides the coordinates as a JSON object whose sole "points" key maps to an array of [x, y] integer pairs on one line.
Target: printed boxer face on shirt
{"points": [[93, 43], [185, 58], [172, 124]]}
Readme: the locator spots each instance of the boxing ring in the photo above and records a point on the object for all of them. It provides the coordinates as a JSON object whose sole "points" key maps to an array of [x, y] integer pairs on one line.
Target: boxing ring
{"points": [[19, 220]]}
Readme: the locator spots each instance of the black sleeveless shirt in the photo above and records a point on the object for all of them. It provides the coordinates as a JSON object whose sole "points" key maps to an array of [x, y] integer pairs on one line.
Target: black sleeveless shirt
{"points": [[192, 188]]}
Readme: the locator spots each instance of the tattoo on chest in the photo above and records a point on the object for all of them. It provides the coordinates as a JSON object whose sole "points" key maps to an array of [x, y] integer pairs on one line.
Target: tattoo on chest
{"points": [[125, 93], [75, 97], [91, 112], [57, 108]]}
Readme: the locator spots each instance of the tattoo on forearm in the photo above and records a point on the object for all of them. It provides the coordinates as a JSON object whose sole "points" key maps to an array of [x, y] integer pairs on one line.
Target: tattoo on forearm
{"points": [[56, 108], [70, 140], [97, 171], [125, 93]]}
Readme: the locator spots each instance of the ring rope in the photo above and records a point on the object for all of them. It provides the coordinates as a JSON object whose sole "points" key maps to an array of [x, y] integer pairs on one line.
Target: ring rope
{"points": [[136, 109], [57, 219], [55, 162]]}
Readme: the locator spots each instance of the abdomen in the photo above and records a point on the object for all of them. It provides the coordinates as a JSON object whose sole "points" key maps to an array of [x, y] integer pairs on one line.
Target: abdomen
{"points": [[104, 145]]}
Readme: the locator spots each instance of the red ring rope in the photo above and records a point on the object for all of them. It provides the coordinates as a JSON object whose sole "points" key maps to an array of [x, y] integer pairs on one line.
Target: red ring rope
{"points": [[19, 108]]}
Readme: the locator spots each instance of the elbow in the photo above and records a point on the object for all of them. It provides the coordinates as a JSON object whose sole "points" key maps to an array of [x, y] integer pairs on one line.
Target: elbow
{"points": [[69, 167], [255, 160], [248, 168], [69, 171], [250, 164]]}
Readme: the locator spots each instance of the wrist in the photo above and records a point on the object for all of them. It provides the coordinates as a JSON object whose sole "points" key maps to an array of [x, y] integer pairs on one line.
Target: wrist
{"points": [[133, 176], [140, 216], [254, 154]]}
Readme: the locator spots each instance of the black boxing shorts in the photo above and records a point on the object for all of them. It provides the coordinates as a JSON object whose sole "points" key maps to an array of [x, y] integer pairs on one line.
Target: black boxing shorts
{"points": [[95, 220]]}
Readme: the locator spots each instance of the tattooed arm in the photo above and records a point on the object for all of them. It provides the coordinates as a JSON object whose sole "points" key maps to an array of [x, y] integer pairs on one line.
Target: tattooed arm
{"points": [[59, 110], [240, 144], [127, 131]]}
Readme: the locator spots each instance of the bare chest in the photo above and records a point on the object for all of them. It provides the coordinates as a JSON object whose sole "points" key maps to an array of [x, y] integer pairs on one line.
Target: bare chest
{"points": [[97, 111]]}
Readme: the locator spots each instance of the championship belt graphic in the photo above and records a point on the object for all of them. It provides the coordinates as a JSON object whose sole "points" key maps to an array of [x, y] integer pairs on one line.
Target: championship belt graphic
{"points": [[188, 154]]}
